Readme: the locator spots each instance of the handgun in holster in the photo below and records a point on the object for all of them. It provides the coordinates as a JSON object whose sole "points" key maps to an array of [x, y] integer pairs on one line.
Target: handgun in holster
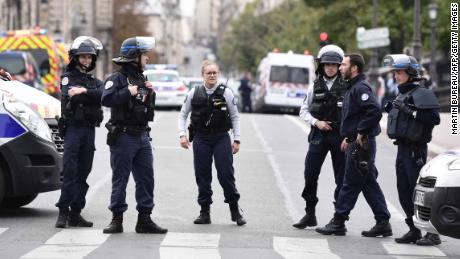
{"points": [[360, 156], [191, 133], [112, 134], [62, 126]]}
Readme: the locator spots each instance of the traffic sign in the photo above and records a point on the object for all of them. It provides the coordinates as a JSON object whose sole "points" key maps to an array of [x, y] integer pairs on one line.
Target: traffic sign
{"points": [[372, 38], [373, 43]]}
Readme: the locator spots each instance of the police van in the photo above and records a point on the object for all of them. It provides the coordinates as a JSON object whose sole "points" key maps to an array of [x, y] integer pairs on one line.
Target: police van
{"points": [[436, 196], [30, 162], [282, 81]]}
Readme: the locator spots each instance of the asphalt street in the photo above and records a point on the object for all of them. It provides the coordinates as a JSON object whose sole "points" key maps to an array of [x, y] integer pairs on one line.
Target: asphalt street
{"points": [[269, 175]]}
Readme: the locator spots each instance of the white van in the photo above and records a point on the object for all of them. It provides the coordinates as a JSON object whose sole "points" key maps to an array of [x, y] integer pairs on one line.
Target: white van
{"points": [[282, 81]]}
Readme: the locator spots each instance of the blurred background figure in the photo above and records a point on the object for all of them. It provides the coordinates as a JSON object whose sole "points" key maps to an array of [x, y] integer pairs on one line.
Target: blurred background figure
{"points": [[245, 92], [391, 88]]}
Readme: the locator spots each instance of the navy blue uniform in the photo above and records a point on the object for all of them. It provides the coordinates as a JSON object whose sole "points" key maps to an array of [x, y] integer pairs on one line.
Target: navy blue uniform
{"points": [[131, 151], [81, 113], [360, 114]]}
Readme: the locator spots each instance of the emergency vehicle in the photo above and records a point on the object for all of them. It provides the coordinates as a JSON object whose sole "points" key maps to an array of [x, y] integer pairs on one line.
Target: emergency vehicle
{"points": [[29, 160], [282, 81], [22, 67], [44, 51]]}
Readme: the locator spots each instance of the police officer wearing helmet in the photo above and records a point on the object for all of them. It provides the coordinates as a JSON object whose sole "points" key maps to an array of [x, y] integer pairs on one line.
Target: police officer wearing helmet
{"points": [[81, 113], [411, 119], [214, 113], [132, 101], [360, 125], [322, 109]]}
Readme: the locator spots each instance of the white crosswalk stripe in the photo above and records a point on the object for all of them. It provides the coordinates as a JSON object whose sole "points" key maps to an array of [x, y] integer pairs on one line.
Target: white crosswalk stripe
{"points": [[3, 230], [190, 245], [411, 250], [69, 243], [298, 248]]}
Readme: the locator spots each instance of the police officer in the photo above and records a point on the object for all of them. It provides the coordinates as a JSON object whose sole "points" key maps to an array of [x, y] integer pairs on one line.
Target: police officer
{"points": [[411, 119], [360, 124], [81, 113], [131, 99], [214, 113], [321, 109]]}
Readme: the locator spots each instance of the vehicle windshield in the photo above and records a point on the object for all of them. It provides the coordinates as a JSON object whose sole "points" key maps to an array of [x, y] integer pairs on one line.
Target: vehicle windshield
{"points": [[14, 65], [297, 75], [162, 77], [42, 58]]}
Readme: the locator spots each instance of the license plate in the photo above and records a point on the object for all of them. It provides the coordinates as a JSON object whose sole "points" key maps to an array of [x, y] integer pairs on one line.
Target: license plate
{"points": [[296, 94], [419, 198]]}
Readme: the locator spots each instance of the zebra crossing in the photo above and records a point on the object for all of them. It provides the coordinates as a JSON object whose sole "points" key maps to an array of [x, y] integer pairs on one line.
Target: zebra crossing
{"points": [[79, 243]]}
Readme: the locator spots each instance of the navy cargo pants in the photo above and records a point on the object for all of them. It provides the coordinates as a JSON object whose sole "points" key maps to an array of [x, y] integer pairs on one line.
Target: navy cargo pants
{"points": [[205, 147], [78, 161], [354, 183], [132, 153]]}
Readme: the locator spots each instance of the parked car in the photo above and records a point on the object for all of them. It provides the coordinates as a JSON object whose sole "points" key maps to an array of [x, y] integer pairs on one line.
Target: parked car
{"points": [[436, 196], [22, 67], [191, 82], [30, 162], [169, 88]]}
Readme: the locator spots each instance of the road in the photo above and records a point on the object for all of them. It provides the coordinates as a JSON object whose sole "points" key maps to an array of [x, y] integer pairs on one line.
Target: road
{"points": [[269, 173]]}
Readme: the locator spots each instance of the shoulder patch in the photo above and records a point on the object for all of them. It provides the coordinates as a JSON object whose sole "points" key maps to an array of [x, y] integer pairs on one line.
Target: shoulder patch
{"points": [[65, 81], [108, 84], [364, 97]]}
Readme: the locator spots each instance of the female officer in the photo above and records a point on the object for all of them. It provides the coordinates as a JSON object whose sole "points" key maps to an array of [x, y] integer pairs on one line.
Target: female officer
{"points": [[214, 113], [81, 113]]}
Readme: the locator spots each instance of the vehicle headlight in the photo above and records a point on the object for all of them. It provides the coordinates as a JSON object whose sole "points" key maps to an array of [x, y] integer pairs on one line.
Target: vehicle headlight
{"points": [[455, 165], [28, 118]]}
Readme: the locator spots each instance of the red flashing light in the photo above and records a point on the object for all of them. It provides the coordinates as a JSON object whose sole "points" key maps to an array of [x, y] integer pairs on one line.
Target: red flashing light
{"points": [[323, 36]]}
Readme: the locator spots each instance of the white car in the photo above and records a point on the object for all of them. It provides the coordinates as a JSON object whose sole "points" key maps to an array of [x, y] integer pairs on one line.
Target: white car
{"points": [[437, 195], [169, 88]]}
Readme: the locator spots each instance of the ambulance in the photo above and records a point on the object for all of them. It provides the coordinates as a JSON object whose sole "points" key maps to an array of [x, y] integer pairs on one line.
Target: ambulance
{"points": [[44, 51], [30, 160], [282, 81]]}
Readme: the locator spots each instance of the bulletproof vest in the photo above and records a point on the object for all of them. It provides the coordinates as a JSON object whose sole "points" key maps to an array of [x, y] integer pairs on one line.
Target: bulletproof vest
{"points": [[327, 104], [403, 126], [210, 113], [84, 111], [139, 110]]}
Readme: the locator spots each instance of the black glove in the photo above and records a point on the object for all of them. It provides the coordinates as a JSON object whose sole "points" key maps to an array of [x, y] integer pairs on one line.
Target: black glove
{"points": [[388, 106], [398, 104]]}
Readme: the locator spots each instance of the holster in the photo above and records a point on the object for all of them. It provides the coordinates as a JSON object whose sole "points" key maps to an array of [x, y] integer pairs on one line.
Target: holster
{"points": [[112, 134], [360, 156], [191, 133]]}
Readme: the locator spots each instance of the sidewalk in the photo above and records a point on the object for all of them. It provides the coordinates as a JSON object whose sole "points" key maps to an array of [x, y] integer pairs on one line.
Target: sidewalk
{"points": [[441, 141]]}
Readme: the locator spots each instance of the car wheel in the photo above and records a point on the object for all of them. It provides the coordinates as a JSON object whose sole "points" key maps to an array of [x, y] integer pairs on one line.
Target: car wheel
{"points": [[2, 186], [17, 201]]}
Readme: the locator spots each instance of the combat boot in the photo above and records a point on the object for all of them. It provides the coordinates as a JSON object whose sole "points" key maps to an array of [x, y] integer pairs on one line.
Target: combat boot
{"points": [[146, 225], [116, 225], [62, 218], [335, 226], [76, 220], [236, 215], [412, 236], [382, 228], [429, 239], [309, 220], [204, 217]]}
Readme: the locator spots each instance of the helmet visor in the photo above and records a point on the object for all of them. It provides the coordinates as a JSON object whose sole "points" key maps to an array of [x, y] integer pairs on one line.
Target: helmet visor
{"points": [[145, 44], [95, 43]]}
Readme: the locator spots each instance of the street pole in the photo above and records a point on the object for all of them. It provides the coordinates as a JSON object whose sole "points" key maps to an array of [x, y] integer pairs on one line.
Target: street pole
{"points": [[416, 43], [432, 13], [373, 74]]}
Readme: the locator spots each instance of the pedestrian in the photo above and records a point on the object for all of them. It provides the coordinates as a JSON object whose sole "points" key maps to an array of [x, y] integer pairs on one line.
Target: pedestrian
{"points": [[213, 113], [131, 99], [411, 119], [322, 109], [360, 125], [245, 90], [81, 113]]}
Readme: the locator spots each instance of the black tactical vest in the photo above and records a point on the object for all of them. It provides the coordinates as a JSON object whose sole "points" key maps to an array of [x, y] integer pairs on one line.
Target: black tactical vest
{"points": [[139, 110], [85, 112], [210, 114], [403, 126], [327, 104]]}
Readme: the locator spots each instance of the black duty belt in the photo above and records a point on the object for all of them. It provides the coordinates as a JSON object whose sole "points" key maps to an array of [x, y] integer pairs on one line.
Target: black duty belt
{"points": [[133, 129]]}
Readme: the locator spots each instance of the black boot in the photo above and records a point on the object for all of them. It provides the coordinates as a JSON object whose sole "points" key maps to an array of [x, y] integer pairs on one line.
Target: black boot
{"points": [[76, 220], [382, 228], [146, 225], [429, 239], [309, 220], [205, 216], [335, 226], [62, 218], [412, 236], [116, 225], [236, 215]]}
